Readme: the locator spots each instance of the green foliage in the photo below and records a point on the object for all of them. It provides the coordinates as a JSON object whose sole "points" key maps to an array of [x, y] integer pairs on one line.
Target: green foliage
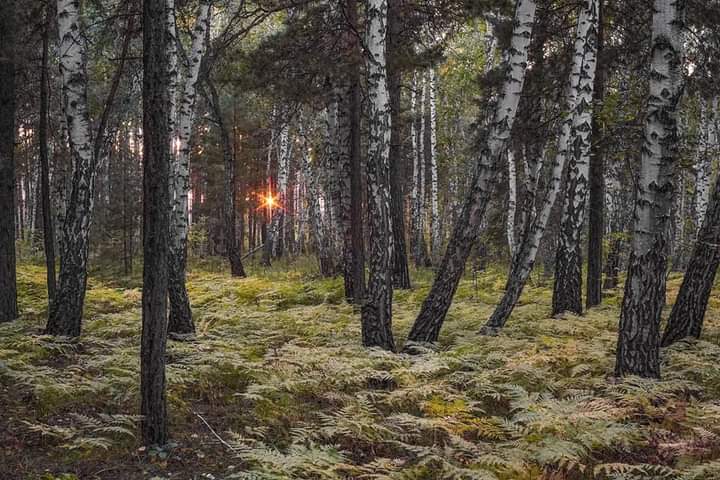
{"points": [[278, 364]]}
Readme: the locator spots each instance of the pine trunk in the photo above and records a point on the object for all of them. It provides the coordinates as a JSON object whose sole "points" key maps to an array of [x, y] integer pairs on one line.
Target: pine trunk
{"points": [[8, 284], [638, 337], [156, 213], [596, 210]]}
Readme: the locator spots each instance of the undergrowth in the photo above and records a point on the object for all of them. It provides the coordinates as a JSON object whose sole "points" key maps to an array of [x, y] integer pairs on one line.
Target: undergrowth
{"points": [[276, 386]]}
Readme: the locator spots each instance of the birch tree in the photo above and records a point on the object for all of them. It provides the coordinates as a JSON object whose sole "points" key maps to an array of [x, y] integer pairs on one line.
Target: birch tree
{"points": [[180, 320], [432, 315], [703, 165], [377, 308], [8, 284], [688, 312], [65, 314], [435, 241], [578, 101], [638, 337], [567, 292], [512, 202]]}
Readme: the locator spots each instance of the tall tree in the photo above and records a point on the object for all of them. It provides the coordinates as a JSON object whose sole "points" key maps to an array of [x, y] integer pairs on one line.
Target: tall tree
{"points": [[48, 230], [8, 284], [180, 313], [401, 273], [229, 185], [577, 104], [156, 218], [66, 311], [688, 312], [638, 337], [432, 315], [596, 210], [377, 309], [567, 292]]}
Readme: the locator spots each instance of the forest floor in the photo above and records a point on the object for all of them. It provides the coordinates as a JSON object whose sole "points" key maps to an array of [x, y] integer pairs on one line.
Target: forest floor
{"points": [[276, 386]]}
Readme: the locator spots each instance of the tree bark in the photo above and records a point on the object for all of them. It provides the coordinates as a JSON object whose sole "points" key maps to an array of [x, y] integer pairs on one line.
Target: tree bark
{"points": [[377, 308], [65, 314], [156, 217], [524, 260], [401, 272], [229, 195], [686, 317], [48, 230], [8, 283], [567, 292], [181, 322], [432, 315], [596, 211], [638, 337]]}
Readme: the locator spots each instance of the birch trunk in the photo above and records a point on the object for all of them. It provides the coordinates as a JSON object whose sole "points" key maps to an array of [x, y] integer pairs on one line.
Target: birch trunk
{"points": [[377, 308], [435, 240], [687, 315], [8, 284], [427, 325], [180, 320], [512, 202], [421, 253], [703, 166], [65, 314], [638, 337], [581, 79], [567, 293], [318, 228]]}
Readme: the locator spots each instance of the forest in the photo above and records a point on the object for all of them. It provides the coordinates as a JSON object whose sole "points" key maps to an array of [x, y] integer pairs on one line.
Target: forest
{"points": [[359, 240]]}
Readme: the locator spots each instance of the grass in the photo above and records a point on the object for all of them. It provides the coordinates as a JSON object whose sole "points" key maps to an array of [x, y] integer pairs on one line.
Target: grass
{"points": [[277, 374]]}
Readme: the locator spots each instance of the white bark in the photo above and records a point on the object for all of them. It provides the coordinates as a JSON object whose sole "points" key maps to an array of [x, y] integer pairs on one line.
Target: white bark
{"points": [[703, 165], [434, 202], [180, 171], [512, 201]]}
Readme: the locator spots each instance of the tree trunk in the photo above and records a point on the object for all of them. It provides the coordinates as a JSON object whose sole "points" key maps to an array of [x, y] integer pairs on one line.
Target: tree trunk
{"points": [[427, 326], [377, 308], [8, 284], [48, 230], [156, 213], [512, 202], [686, 317], [65, 314], [229, 196], [401, 272], [576, 116], [435, 241], [567, 293], [596, 211], [638, 337], [351, 169], [180, 321]]}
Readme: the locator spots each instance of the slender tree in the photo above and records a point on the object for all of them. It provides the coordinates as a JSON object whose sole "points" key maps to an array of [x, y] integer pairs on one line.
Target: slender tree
{"points": [[181, 322], [48, 228], [156, 218], [432, 315], [638, 337], [567, 292], [575, 121], [377, 309], [596, 199], [8, 284]]}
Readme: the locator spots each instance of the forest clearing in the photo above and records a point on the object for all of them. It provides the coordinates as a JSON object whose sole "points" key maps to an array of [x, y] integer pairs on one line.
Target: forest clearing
{"points": [[277, 371]]}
